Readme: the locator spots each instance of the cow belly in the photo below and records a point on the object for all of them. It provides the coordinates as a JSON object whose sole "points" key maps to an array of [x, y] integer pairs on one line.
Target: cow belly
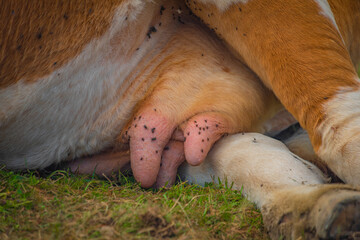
{"points": [[79, 108], [62, 116]]}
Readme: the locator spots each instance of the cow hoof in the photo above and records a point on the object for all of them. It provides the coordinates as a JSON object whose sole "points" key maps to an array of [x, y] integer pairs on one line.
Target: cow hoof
{"points": [[330, 211], [338, 215]]}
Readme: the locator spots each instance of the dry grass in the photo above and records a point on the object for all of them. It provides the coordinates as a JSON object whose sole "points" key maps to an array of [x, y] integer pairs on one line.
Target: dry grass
{"points": [[64, 206]]}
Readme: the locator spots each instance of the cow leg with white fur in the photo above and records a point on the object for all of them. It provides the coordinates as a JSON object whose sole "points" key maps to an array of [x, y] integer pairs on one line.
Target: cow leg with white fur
{"points": [[292, 193]]}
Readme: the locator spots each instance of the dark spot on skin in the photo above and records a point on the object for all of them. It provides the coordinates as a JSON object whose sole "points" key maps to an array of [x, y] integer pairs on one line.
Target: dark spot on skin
{"points": [[202, 54], [153, 130], [205, 120], [142, 139], [137, 49], [152, 29], [254, 140], [184, 139], [160, 164], [200, 128], [39, 35], [126, 132], [199, 133], [207, 127], [166, 148], [208, 15], [141, 159], [40, 47], [18, 48], [242, 133], [135, 125], [202, 140], [156, 151], [202, 150], [126, 18], [326, 98], [12, 12], [203, 129], [161, 9], [145, 126], [196, 125], [55, 63], [58, 74], [216, 125], [244, 34], [261, 185], [90, 11], [180, 21], [159, 24], [240, 9], [139, 117], [188, 133], [195, 121], [153, 139], [155, 109], [208, 139], [66, 17], [236, 28]]}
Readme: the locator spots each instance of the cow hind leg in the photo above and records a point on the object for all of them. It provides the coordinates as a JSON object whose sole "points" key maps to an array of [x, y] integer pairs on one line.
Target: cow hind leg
{"points": [[292, 193], [312, 73]]}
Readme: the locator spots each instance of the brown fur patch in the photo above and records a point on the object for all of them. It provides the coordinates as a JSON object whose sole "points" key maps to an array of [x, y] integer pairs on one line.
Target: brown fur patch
{"points": [[347, 16], [39, 37], [294, 50]]}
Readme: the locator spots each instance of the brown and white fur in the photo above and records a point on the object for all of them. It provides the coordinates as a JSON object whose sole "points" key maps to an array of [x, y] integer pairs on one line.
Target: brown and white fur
{"points": [[76, 79], [305, 51], [82, 99]]}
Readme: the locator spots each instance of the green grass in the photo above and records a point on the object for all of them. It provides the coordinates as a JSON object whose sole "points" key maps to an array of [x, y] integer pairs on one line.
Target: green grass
{"points": [[65, 206]]}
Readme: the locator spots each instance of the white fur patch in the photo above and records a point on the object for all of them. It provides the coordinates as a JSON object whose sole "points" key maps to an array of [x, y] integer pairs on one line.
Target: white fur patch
{"points": [[326, 11], [340, 132], [222, 5]]}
